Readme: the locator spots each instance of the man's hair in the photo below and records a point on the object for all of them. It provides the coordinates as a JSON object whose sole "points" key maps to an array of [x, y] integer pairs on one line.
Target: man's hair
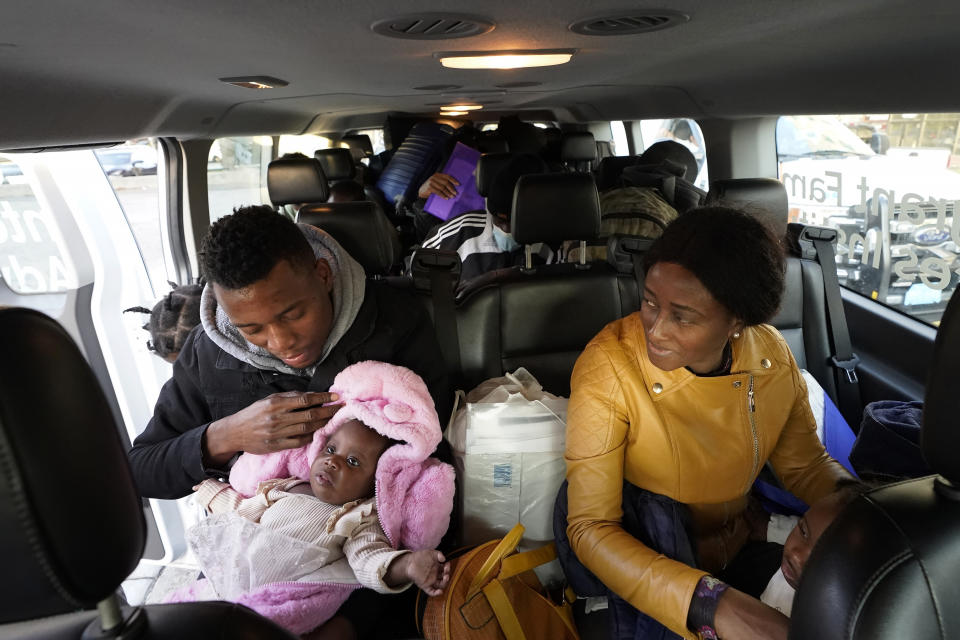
{"points": [[735, 256], [500, 197], [681, 129], [172, 318], [243, 247]]}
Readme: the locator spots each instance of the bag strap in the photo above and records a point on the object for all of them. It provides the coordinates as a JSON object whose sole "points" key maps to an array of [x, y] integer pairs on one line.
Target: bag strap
{"points": [[520, 562], [507, 545], [503, 610]]}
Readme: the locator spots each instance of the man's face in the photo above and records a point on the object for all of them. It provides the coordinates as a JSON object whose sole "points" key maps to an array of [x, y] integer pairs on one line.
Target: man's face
{"points": [[346, 468], [800, 542], [289, 312]]}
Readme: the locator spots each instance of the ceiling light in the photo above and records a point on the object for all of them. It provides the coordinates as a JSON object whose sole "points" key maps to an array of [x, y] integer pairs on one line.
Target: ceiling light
{"points": [[505, 59], [453, 113], [256, 82], [463, 107]]}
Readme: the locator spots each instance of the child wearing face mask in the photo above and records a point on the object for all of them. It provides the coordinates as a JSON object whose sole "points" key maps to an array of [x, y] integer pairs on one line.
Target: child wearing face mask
{"points": [[295, 549], [800, 542]]}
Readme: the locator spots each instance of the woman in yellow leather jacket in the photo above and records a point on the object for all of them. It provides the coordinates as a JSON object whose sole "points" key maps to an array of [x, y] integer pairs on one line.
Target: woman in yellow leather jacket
{"points": [[689, 398]]}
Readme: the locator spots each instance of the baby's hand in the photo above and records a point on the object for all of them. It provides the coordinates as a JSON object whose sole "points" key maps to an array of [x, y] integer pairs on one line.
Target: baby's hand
{"points": [[429, 570]]}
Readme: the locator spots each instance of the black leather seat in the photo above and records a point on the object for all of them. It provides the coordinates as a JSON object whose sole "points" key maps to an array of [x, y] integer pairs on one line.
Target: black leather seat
{"points": [[73, 525], [802, 318], [296, 181], [542, 318], [359, 145], [337, 164], [578, 150], [609, 170], [362, 230], [488, 167], [887, 567]]}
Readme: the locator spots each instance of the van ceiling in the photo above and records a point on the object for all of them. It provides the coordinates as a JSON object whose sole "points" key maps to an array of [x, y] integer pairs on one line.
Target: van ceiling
{"points": [[75, 72]]}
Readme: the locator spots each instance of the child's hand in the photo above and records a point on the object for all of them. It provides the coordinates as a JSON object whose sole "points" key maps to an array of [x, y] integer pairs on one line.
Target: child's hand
{"points": [[429, 570]]}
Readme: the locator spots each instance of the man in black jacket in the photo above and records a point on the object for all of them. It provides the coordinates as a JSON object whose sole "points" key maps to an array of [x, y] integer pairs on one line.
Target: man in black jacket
{"points": [[285, 309]]}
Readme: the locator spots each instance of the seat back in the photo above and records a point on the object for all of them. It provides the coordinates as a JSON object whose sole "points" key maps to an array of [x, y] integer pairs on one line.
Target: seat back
{"points": [[542, 318], [73, 525], [886, 567], [358, 143], [362, 230], [802, 318], [296, 181]]}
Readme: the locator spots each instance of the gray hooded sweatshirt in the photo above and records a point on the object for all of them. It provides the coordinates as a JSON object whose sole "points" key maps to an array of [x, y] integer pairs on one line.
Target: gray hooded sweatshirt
{"points": [[349, 282]]}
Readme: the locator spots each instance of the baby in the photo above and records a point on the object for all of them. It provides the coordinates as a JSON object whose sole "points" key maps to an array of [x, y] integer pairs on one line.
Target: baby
{"points": [[323, 526], [800, 542]]}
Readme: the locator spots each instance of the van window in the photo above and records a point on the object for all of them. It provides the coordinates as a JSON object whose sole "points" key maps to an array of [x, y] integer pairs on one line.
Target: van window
{"points": [[619, 134], [889, 184], [33, 256], [237, 173], [305, 144], [132, 171], [687, 132]]}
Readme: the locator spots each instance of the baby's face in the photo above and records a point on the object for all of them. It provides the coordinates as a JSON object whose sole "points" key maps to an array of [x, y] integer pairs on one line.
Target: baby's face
{"points": [[346, 468], [804, 536]]}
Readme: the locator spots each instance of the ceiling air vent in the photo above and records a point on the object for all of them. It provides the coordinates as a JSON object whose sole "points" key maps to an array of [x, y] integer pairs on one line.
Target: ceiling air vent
{"points": [[433, 26], [621, 25]]}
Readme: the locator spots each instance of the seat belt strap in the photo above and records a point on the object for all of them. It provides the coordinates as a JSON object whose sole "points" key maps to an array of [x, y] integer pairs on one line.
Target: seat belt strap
{"points": [[445, 321], [844, 360]]}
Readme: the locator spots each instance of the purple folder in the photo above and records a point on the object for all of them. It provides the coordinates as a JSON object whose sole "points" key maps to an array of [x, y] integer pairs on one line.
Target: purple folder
{"points": [[462, 165]]}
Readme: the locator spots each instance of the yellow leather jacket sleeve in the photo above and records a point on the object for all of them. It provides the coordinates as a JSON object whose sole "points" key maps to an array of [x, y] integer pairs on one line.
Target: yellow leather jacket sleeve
{"points": [[596, 435]]}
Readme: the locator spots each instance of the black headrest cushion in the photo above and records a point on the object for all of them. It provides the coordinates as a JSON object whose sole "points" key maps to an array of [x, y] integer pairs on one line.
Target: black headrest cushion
{"points": [[337, 163], [296, 181], [939, 437], [609, 170], [553, 207], [359, 141], [488, 167], [504, 182], [763, 198], [578, 146], [73, 526], [362, 230]]}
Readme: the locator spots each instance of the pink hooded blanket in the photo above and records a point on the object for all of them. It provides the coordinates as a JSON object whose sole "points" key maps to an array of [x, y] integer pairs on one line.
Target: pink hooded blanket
{"points": [[414, 492]]}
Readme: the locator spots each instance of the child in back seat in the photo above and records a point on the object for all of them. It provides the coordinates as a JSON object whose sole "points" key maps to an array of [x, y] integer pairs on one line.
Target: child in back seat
{"points": [[297, 533], [800, 542]]}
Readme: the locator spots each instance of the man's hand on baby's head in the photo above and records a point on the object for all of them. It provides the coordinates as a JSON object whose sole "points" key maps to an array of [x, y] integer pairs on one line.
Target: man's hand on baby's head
{"points": [[429, 570], [280, 421]]}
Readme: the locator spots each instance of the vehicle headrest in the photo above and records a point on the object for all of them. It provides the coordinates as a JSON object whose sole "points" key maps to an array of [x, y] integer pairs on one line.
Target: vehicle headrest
{"points": [[578, 146], [763, 198], [938, 436], [359, 141], [553, 207], [337, 164], [362, 230], [296, 181], [73, 526], [488, 167]]}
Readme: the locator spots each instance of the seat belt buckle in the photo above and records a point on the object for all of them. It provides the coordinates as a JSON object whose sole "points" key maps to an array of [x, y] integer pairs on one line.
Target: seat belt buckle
{"points": [[849, 366]]}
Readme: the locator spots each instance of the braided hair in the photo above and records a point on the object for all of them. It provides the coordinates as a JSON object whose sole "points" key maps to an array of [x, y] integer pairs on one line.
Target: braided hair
{"points": [[171, 319]]}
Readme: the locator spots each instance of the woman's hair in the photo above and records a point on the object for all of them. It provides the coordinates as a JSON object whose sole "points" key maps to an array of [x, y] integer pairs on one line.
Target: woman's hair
{"points": [[735, 256], [172, 318]]}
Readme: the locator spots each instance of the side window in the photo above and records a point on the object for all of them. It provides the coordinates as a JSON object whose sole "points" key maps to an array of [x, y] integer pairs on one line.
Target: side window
{"points": [[687, 132], [305, 144], [33, 256], [619, 135], [237, 173], [131, 169], [890, 185]]}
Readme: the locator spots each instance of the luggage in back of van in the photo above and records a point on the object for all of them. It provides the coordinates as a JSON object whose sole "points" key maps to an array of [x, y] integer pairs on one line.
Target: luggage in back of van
{"points": [[413, 162]]}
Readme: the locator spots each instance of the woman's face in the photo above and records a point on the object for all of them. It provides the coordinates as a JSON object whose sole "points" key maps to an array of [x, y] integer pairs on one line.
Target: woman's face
{"points": [[684, 324]]}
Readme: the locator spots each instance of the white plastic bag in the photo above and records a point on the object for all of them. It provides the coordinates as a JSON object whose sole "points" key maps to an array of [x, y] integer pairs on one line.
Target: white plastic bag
{"points": [[508, 439]]}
